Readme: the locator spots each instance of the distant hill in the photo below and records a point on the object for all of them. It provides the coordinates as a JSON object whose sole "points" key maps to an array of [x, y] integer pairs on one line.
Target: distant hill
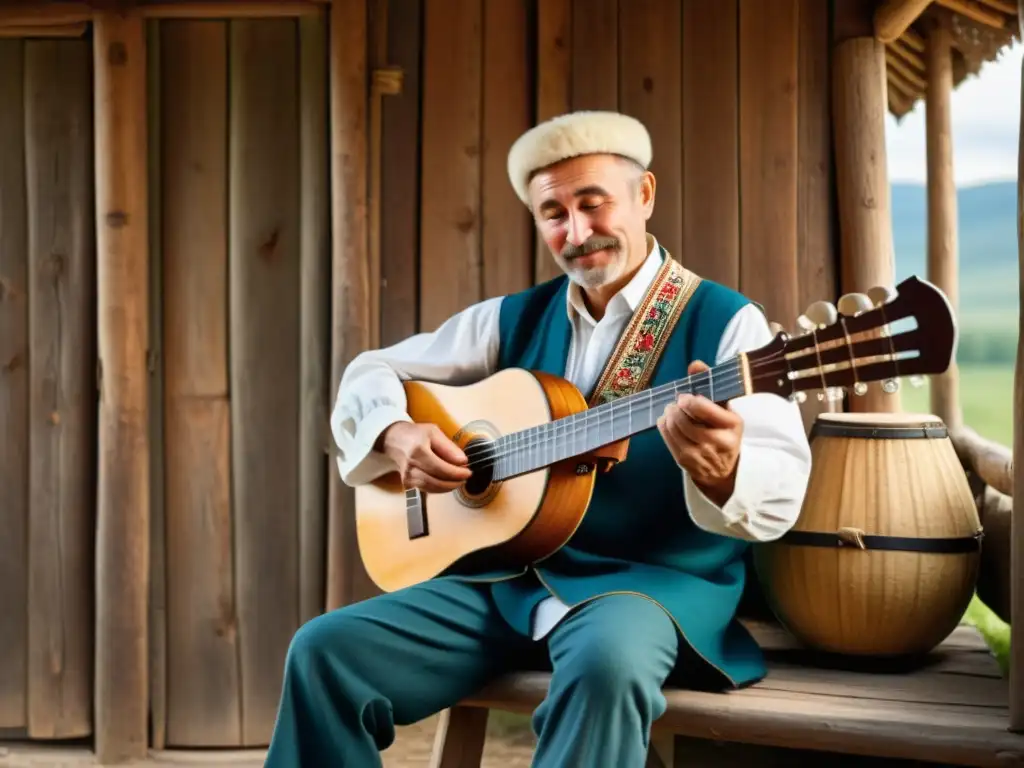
{"points": [[987, 243]]}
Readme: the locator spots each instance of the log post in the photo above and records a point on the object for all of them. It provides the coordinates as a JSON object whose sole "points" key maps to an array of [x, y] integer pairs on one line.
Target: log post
{"points": [[942, 223], [862, 181], [122, 536], [350, 300], [1017, 524]]}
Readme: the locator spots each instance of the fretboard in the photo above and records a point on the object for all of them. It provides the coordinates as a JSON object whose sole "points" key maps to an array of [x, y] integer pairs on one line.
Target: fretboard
{"points": [[531, 449]]}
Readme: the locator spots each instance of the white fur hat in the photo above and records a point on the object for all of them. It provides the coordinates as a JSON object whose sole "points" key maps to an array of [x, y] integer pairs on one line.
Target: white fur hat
{"points": [[572, 135]]}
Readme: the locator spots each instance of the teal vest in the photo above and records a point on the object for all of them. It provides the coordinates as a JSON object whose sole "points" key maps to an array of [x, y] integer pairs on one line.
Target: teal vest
{"points": [[637, 535]]}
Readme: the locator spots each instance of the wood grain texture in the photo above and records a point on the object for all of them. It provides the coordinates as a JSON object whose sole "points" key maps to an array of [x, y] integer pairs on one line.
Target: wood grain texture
{"points": [[711, 195], [943, 248], [315, 257], [62, 392], [400, 189], [350, 289], [554, 94], [157, 527], [817, 251], [858, 715], [203, 686], [528, 517], [450, 238], [768, 154], [862, 181], [876, 602], [595, 59], [507, 232], [265, 363], [650, 89], [14, 392], [123, 524]]}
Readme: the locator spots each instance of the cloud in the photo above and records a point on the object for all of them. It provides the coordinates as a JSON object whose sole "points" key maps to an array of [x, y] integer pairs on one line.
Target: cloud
{"points": [[986, 115]]}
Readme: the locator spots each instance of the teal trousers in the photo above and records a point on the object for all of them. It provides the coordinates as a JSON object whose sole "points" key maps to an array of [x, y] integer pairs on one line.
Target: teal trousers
{"points": [[353, 674]]}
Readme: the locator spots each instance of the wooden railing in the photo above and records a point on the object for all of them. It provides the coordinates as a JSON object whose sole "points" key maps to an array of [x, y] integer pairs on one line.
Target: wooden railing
{"points": [[989, 468]]}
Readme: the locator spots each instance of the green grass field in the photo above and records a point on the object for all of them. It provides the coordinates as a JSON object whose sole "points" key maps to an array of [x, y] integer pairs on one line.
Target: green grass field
{"points": [[986, 395]]}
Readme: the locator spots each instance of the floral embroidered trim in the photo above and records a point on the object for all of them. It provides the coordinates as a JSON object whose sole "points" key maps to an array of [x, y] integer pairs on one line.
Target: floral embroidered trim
{"points": [[636, 355]]}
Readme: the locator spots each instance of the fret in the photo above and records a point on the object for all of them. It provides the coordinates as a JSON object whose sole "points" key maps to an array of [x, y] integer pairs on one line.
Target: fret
{"points": [[540, 446]]}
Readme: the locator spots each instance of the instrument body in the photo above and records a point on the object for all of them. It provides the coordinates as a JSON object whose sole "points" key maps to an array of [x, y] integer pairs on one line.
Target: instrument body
{"points": [[518, 520], [884, 557], [548, 444]]}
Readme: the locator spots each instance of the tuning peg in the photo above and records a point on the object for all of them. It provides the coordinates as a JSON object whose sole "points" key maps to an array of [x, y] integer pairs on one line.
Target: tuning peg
{"points": [[822, 314], [798, 397], [776, 328], [854, 303], [805, 324], [880, 295], [916, 381]]}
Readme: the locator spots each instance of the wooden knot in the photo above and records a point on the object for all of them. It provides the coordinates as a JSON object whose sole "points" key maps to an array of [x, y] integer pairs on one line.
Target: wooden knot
{"points": [[648, 85], [54, 265], [13, 364], [117, 219], [852, 536], [117, 54], [466, 221]]}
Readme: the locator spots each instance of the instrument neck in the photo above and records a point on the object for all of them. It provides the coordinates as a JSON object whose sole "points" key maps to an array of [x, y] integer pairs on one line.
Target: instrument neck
{"points": [[528, 450]]}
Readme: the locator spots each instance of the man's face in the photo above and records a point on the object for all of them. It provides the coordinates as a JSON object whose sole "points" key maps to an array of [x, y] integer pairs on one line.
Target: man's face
{"points": [[592, 212]]}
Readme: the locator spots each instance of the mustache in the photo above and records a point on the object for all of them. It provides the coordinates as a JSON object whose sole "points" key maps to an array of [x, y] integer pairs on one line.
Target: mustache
{"points": [[572, 251]]}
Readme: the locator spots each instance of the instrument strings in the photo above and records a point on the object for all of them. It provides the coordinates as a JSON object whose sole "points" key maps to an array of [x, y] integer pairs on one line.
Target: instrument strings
{"points": [[725, 375]]}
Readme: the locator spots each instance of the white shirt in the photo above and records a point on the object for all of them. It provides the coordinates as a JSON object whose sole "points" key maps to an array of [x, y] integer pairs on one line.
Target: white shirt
{"points": [[774, 463]]}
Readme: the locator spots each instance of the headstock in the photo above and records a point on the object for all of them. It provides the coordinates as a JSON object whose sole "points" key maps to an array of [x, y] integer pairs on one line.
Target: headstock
{"points": [[847, 347]]}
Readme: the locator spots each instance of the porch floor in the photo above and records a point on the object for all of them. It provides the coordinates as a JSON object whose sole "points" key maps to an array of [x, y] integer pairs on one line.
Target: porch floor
{"points": [[953, 709]]}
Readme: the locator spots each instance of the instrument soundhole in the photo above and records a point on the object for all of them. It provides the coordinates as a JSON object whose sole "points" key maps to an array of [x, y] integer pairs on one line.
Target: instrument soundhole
{"points": [[480, 481], [479, 489]]}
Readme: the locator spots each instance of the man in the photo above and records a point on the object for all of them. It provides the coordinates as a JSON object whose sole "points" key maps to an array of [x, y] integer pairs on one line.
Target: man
{"points": [[646, 590]]}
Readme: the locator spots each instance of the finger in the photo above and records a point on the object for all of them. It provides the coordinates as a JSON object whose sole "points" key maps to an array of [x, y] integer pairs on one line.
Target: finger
{"points": [[446, 448], [417, 478], [699, 408], [696, 367], [436, 467]]}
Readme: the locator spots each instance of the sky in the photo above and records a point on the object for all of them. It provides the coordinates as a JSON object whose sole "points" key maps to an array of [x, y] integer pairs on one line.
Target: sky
{"points": [[986, 113]]}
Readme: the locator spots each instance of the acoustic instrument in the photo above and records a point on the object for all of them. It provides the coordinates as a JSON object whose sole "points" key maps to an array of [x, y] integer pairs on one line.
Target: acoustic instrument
{"points": [[883, 559], [534, 445]]}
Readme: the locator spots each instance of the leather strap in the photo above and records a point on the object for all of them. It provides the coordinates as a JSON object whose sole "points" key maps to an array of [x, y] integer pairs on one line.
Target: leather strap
{"points": [[850, 538]]}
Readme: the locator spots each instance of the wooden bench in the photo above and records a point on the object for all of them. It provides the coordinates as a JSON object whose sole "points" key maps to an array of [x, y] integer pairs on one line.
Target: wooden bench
{"points": [[951, 709]]}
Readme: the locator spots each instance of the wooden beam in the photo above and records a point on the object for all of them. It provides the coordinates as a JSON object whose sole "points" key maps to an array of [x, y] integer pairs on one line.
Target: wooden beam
{"points": [[44, 30], [862, 181], [896, 64], [893, 17], [122, 549], [244, 9], [974, 11], [28, 14], [912, 58], [943, 253], [1017, 524], [25, 14], [1003, 6]]}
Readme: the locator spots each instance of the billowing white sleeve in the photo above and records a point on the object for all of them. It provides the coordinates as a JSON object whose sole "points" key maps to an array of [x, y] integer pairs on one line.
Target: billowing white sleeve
{"points": [[775, 456], [371, 397]]}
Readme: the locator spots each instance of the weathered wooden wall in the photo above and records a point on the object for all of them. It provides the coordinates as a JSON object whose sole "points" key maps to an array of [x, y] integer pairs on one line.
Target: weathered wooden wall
{"points": [[48, 390], [241, 175], [736, 95]]}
